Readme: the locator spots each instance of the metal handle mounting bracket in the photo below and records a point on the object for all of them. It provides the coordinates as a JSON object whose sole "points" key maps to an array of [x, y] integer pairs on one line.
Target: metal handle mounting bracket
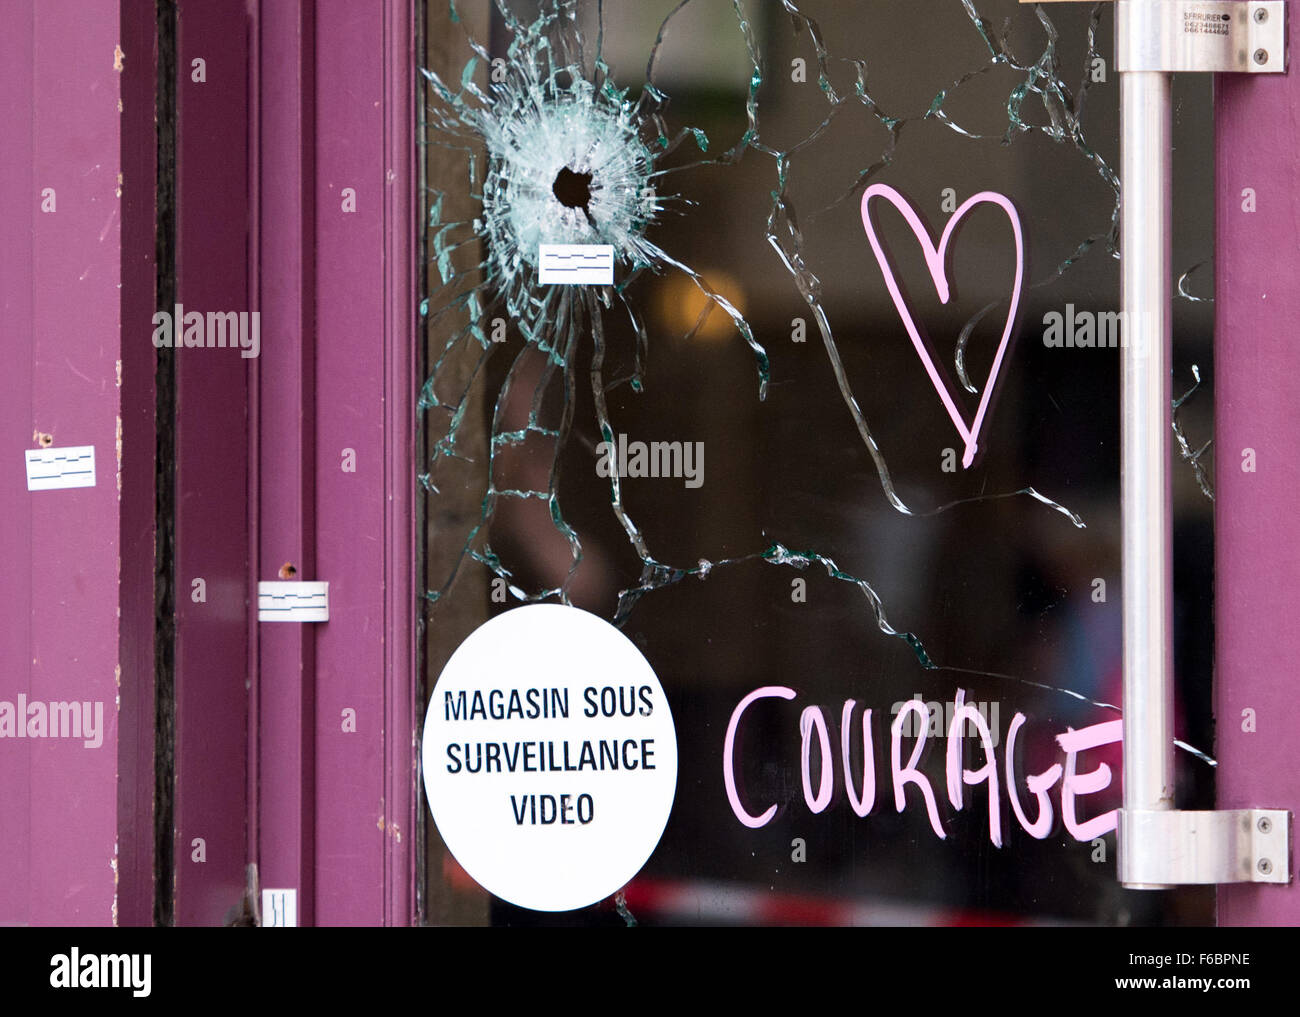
{"points": [[1172, 848], [1219, 36]]}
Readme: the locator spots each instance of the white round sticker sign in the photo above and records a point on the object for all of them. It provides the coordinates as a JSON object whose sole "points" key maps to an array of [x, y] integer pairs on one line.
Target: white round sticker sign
{"points": [[550, 757]]}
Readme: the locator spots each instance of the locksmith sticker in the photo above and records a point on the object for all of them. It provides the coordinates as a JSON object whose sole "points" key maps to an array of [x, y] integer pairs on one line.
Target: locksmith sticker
{"points": [[550, 757]]}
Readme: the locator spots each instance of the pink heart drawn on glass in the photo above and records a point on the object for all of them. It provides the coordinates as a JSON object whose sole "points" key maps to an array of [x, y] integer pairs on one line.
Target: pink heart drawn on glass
{"points": [[935, 259]]}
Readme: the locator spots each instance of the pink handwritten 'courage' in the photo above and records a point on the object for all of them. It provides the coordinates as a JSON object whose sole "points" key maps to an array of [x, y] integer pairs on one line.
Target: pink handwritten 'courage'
{"points": [[815, 737]]}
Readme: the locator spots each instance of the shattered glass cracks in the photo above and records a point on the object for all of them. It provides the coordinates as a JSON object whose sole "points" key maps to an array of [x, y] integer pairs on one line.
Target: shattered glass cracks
{"points": [[557, 146]]}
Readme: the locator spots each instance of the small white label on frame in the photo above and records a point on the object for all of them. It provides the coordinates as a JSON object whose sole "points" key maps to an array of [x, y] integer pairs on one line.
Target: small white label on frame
{"points": [[280, 909], [293, 601], [49, 469], [576, 264]]}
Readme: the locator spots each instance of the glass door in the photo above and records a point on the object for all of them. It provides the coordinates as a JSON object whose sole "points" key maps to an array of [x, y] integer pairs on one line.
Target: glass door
{"points": [[837, 449]]}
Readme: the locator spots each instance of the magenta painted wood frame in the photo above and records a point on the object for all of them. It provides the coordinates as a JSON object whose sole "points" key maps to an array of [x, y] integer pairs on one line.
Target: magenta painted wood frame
{"points": [[137, 777], [334, 419], [210, 843], [294, 743], [365, 275], [1257, 512], [279, 108], [76, 600]]}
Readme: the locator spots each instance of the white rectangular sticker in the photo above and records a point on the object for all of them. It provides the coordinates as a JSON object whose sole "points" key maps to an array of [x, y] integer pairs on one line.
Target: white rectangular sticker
{"points": [[576, 264], [293, 602], [279, 909], [49, 469]]}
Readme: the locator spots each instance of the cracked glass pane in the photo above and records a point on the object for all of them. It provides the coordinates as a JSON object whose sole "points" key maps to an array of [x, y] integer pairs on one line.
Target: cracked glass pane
{"points": [[845, 422]]}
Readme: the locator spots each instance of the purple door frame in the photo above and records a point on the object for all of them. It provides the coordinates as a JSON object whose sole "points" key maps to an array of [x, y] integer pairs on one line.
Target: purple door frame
{"points": [[76, 266], [1257, 407], [277, 110], [285, 438], [302, 456], [365, 421], [334, 439], [211, 543], [137, 714]]}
